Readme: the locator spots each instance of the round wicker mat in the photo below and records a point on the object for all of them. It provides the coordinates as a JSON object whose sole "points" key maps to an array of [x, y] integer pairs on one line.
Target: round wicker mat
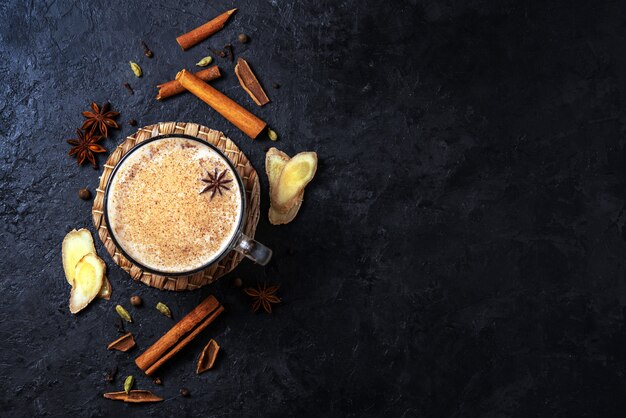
{"points": [[239, 160]]}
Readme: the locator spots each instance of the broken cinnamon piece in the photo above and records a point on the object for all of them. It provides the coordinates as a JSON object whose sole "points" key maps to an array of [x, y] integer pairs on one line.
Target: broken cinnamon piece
{"points": [[173, 87], [249, 82], [201, 33], [134, 396], [207, 357], [124, 343]]}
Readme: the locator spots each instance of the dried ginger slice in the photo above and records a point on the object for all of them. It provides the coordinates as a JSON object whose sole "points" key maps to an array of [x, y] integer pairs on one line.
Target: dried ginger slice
{"points": [[88, 280], [275, 161], [296, 174], [76, 245]]}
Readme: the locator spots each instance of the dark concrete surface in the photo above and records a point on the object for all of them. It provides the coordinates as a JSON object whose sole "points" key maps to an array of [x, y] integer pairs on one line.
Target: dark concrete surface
{"points": [[459, 253]]}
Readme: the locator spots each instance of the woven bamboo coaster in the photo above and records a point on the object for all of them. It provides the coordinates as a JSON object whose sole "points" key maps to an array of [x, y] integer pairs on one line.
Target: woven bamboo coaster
{"points": [[246, 171]]}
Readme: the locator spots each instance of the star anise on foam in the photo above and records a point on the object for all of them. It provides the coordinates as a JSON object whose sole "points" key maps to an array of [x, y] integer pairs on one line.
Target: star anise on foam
{"points": [[215, 182], [85, 146], [100, 119], [263, 296]]}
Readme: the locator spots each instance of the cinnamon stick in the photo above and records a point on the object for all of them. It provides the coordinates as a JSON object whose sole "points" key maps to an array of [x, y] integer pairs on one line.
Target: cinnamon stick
{"points": [[200, 33], [224, 105], [134, 396], [173, 87], [179, 335], [184, 341], [249, 82]]}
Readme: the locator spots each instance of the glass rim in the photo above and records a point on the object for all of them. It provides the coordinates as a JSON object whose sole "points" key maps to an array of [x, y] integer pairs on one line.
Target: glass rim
{"points": [[242, 211]]}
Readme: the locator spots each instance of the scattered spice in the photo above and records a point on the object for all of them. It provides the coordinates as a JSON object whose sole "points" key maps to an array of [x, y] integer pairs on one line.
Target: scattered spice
{"points": [[276, 85], [243, 38], [134, 396], [84, 194], [110, 375], [229, 52], [221, 54], [207, 356], [132, 122], [250, 83], [119, 325], [100, 119], [215, 182], [124, 343], [184, 392], [272, 134], [136, 301], [204, 61], [161, 307], [158, 381], [146, 51], [85, 146], [123, 313], [238, 282], [263, 296], [129, 88], [128, 383], [136, 68]]}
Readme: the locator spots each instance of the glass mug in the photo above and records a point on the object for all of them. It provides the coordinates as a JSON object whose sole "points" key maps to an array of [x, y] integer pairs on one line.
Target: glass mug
{"points": [[238, 241]]}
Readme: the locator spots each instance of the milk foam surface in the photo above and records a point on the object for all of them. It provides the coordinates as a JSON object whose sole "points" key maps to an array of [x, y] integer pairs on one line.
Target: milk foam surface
{"points": [[155, 210]]}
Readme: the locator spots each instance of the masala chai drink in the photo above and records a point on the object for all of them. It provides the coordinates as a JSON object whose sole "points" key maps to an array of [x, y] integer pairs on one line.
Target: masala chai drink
{"points": [[165, 211]]}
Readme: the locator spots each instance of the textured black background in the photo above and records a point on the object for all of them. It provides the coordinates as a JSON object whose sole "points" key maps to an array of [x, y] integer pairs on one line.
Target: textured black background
{"points": [[459, 253]]}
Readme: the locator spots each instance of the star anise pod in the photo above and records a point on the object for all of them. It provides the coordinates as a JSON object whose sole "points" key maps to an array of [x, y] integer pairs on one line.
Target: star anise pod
{"points": [[263, 296], [85, 146], [100, 119], [214, 182]]}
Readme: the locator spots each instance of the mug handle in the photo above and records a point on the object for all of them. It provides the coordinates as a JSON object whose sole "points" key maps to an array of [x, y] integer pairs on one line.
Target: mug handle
{"points": [[254, 250]]}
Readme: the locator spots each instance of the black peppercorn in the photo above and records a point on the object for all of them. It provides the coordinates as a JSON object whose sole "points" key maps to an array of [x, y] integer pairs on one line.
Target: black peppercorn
{"points": [[132, 122], [84, 194], [243, 38], [136, 301], [238, 282], [184, 392]]}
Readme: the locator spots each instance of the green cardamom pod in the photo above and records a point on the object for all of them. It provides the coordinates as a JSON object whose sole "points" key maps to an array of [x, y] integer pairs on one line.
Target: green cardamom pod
{"points": [[204, 61], [128, 383], [123, 313], [273, 135], [136, 68], [161, 307]]}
